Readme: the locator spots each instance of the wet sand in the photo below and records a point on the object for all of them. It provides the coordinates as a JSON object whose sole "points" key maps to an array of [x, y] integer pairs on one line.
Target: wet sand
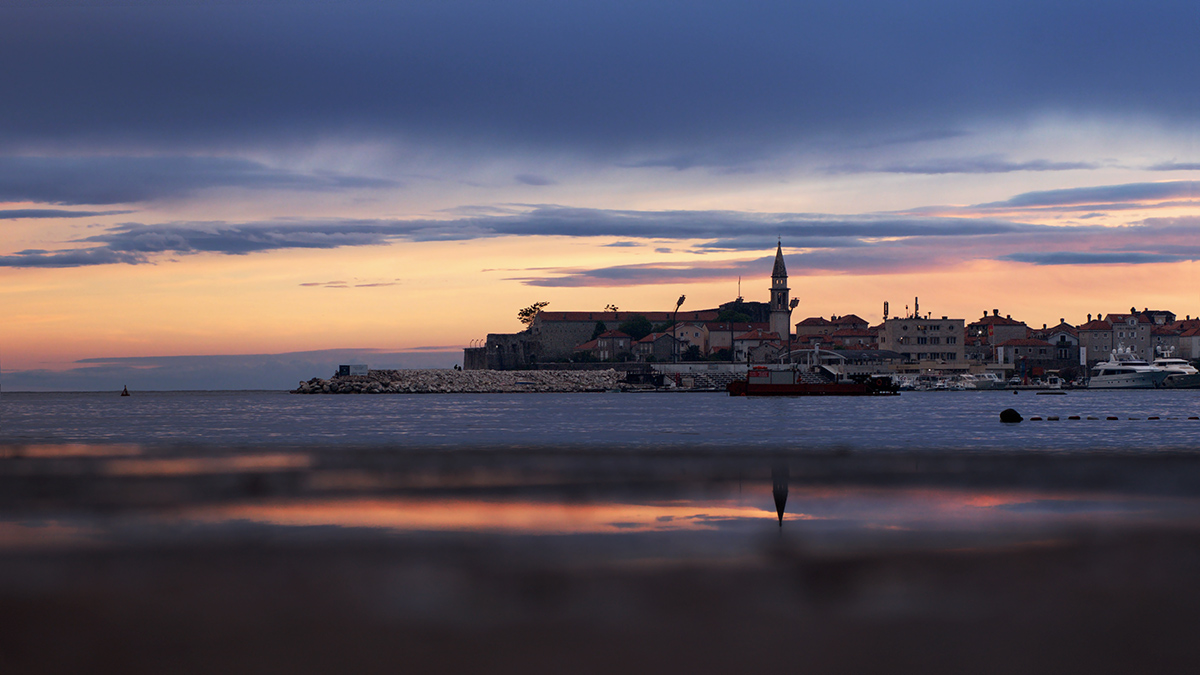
{"points": [[199, 559]]}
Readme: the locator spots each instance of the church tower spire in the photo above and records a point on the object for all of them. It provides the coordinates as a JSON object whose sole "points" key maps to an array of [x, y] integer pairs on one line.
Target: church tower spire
{"points": [[781, 313]]}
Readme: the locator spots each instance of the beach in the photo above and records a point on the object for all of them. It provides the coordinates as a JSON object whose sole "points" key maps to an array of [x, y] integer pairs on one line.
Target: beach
{"points": [[377, 548]]}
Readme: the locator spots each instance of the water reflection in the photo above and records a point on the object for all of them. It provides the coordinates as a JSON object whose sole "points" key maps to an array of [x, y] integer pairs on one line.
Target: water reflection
{"points": [[779, 489]]}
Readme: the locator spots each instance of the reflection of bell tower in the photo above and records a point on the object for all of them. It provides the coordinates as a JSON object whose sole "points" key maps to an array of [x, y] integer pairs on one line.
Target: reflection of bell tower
{"points": [[779, 489], [781, 314]]}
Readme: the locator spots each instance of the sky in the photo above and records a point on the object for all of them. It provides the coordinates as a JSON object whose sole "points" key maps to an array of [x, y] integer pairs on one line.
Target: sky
{"points": [[201, 194]]}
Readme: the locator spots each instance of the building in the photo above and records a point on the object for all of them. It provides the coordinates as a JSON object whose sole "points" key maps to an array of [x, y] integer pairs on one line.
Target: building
{"points": [[855, 338], [721, 334], [611, 344], [814, 325], [781, 311], [926, 339], [691, 334], [993, 329], [849, 322], [1131, 330], [558, 333], [1095, 340], [656, 347], [747, 346], [1029, 357]]}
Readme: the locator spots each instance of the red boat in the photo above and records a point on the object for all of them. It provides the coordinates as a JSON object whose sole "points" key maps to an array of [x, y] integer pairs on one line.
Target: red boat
{"points": [[762, 381]]}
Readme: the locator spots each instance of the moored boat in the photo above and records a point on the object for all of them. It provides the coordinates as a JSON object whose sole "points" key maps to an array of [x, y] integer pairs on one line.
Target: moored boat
{"points": [[791, 381], [1180, 373], [1124, 370]]}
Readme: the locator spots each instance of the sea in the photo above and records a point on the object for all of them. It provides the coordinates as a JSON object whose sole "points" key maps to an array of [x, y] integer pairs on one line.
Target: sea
{"points": [[252, 531], [1146, 422]]}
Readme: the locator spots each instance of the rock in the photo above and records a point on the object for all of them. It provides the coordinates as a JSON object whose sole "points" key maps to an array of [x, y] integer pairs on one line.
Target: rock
{"points": [[1010, 416]]}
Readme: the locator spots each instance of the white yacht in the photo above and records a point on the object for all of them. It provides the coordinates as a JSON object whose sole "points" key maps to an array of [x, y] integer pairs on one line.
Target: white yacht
{"points": [[1180, 373], [1124, 370], [989, 381]]}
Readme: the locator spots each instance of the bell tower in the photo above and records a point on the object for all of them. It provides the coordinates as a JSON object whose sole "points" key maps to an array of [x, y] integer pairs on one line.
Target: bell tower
{"points": [[781, 313]]}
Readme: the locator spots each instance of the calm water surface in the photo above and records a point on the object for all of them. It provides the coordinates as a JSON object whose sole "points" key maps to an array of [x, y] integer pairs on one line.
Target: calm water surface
{"points": [[954, 421]]}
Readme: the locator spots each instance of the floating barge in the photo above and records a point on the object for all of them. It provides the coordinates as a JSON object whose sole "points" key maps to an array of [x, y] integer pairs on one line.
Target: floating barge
{"points": [[762, 381]]}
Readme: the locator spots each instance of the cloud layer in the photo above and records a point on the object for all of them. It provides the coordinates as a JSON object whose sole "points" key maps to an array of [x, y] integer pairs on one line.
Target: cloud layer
{"points": [[862, 244], [124, 180], [664, 83]]}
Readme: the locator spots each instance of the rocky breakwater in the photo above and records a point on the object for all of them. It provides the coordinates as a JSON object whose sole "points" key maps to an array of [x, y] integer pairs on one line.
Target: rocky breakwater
{"points": [[464, 382]]}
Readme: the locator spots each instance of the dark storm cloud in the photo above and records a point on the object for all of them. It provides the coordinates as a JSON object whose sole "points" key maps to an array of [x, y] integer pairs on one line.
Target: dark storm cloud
{"points": [[1128, 192], [121, 180], [990, 164], [70, 258], [1155, 240], [530, 179], [867, 243], [1084, 258], [135, 243], [1175, 166], [19, 214], [666, 82]]}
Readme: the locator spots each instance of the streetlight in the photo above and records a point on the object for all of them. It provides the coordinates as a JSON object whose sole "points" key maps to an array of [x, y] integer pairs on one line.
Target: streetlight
{"points": [[675, 326]]}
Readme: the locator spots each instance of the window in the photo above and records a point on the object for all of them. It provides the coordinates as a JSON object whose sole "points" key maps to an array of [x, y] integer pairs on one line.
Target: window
{"points": [[951, 340], [922, 340], [1042, 351], [934, 340], [951, 356]]}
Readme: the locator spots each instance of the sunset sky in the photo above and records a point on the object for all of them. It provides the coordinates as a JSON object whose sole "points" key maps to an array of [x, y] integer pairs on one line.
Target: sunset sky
{"points": [[239, 193]]}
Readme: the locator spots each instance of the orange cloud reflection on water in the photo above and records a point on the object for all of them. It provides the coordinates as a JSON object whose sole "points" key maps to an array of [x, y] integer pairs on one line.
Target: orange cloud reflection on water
{"points": [[529, 517]]}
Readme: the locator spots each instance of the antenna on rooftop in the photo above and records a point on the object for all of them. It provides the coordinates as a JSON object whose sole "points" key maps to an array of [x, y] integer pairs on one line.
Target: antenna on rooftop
{"points": [[739, 287]]}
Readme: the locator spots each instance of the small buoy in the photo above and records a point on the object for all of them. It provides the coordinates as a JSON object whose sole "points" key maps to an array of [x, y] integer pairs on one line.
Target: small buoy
{"points": [[1073, 417], [1110, 417], [1194, 418], [1152, 418], [1010, 416], [1035, 418], [1015, 392], [125, 391]]}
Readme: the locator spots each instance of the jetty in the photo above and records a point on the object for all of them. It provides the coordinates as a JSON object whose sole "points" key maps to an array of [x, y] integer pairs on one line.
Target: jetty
{"points": [[466, 382]]}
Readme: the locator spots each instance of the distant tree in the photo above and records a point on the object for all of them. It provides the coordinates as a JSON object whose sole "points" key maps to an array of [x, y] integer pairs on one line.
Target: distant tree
{"points": [[638, 327], [733, 316], [611, 308], [600, 328], [664, 327], [692, 353], [721, 355], [527, 315]]}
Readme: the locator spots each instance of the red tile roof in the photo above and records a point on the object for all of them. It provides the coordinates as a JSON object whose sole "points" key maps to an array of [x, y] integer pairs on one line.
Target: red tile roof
{"points": [[993, 320], [757, 334], [847, 319], [853, 332], [1098, 324], [658, 317], [814, 321], [735, 327], [612, 334], [1063, 327]]}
